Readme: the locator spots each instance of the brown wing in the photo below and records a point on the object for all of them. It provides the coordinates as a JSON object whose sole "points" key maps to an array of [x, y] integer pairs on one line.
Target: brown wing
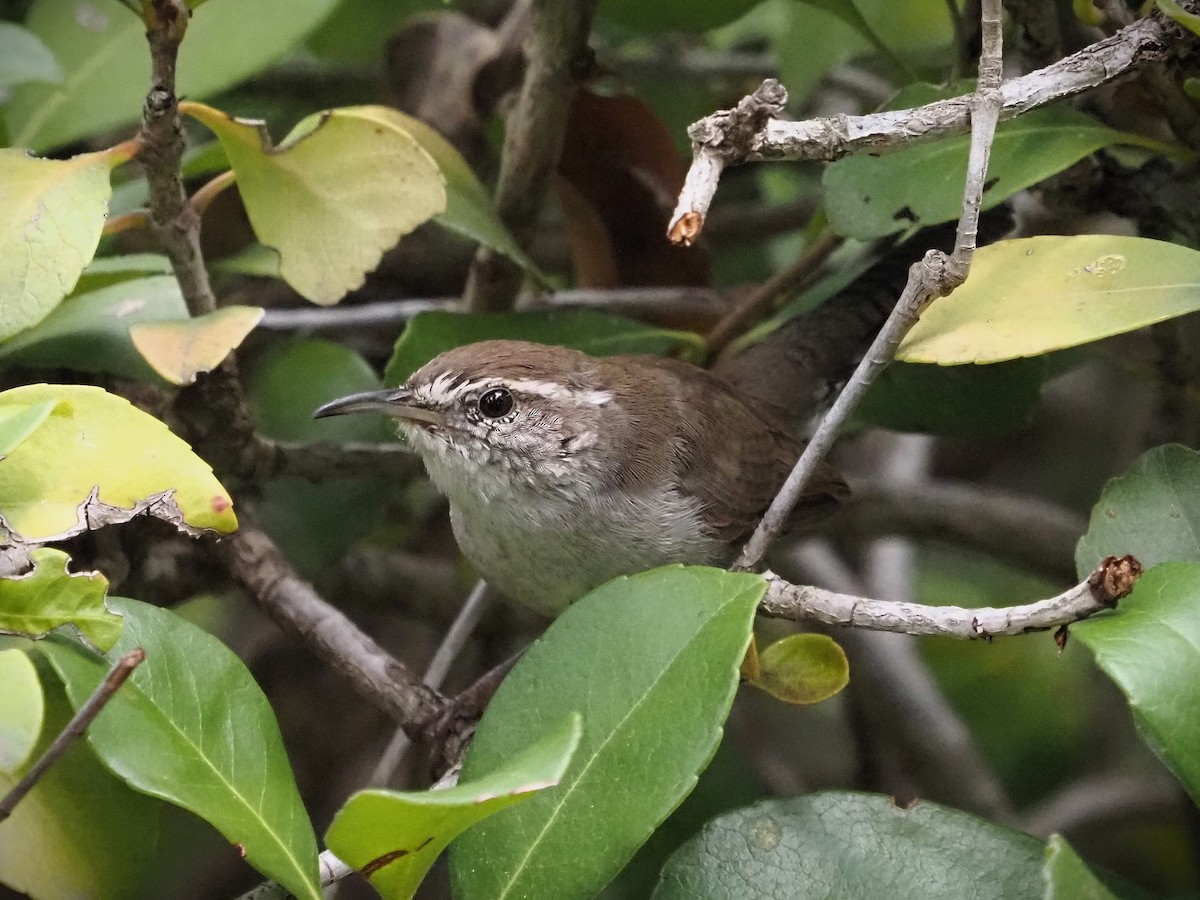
{"points": [[747, 471]]}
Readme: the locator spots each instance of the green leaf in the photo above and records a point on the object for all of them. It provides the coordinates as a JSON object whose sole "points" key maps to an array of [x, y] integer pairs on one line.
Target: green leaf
{"points": [[23, 57], [802, 668], [966, 401], [469, 208], [431, 333], [98, 460], [1151, 648], [652, 660], [340, 190], [19, 422], [80, 832], [836, 845], [1030, 296], [53, 215], [179, 351], [192, 727], [89, 331], [1181, 16], [50, 596], [1068, 877], [870, 196], [22, 707], [697, 16], [316, 523], [103, 53], [1152, 512], [105, 270], [393, 837]]}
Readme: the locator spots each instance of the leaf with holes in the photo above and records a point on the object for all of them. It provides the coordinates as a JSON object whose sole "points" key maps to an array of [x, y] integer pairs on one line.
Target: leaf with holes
{"points": [[393, 837], [192, 727], [53, 215], [97, 460], [651, 724], [1031, 296], [341, 189], [50, 596]]}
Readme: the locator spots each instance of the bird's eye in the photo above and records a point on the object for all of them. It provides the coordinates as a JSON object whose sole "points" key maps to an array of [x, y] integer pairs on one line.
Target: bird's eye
{"points": [[496, 403]]}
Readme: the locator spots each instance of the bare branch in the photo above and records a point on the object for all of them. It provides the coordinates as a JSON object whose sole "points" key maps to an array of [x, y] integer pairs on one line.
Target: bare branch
{"points": [[1110, 582], [533, 141], [833, 137], [447, 652], [74, 729], [897, 690], [1101, 800], [174, 222], [1023, 529], [319, 461], [255, 563], [934, 276], [644, 302]]}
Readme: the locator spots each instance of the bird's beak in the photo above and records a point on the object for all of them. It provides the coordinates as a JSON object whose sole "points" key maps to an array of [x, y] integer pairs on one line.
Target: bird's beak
{"points": [[396, 402]]}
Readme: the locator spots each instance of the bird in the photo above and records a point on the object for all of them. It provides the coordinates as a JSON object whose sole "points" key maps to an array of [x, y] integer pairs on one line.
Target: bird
{"points": [[564, 470]]}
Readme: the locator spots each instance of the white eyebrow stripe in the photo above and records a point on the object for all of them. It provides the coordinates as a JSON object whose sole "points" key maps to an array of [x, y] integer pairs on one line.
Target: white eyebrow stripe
{"points": [[553, 391]]}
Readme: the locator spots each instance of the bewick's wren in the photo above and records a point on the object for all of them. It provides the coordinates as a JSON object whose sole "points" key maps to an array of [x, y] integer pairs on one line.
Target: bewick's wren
{"points": [[564, 470]]}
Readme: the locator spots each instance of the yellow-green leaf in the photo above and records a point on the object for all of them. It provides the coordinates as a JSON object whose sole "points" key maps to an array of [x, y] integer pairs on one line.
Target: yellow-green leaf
{"points": [[97, 460], [1188, 20], [36, 603], [393, 837], [53, 213], [19, 422], [179, 351], [21, 709], [340, 190], [469, 209], [802, 668], [1035, 295]]}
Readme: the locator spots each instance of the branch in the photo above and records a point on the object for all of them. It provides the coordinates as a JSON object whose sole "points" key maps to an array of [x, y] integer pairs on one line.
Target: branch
{"points": [[533, 142], [321, 460], [74, 729], [898, 693], [1103, 799], [254, 562], [934, 276], [642, 302], [1026, 530], [1110, 582], [174, 222], [833, 137]]}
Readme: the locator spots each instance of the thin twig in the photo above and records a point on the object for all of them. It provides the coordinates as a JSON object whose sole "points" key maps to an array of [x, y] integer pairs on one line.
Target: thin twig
{"points": [[898, 690], [1026, 530], [447, 652], [934, 276], [74, 729], [833, 137], [254, 562], [649, 302], [1110, 582], [558, 56], [210, 190], [783, 282], [175, 223], [1103, 799]]}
